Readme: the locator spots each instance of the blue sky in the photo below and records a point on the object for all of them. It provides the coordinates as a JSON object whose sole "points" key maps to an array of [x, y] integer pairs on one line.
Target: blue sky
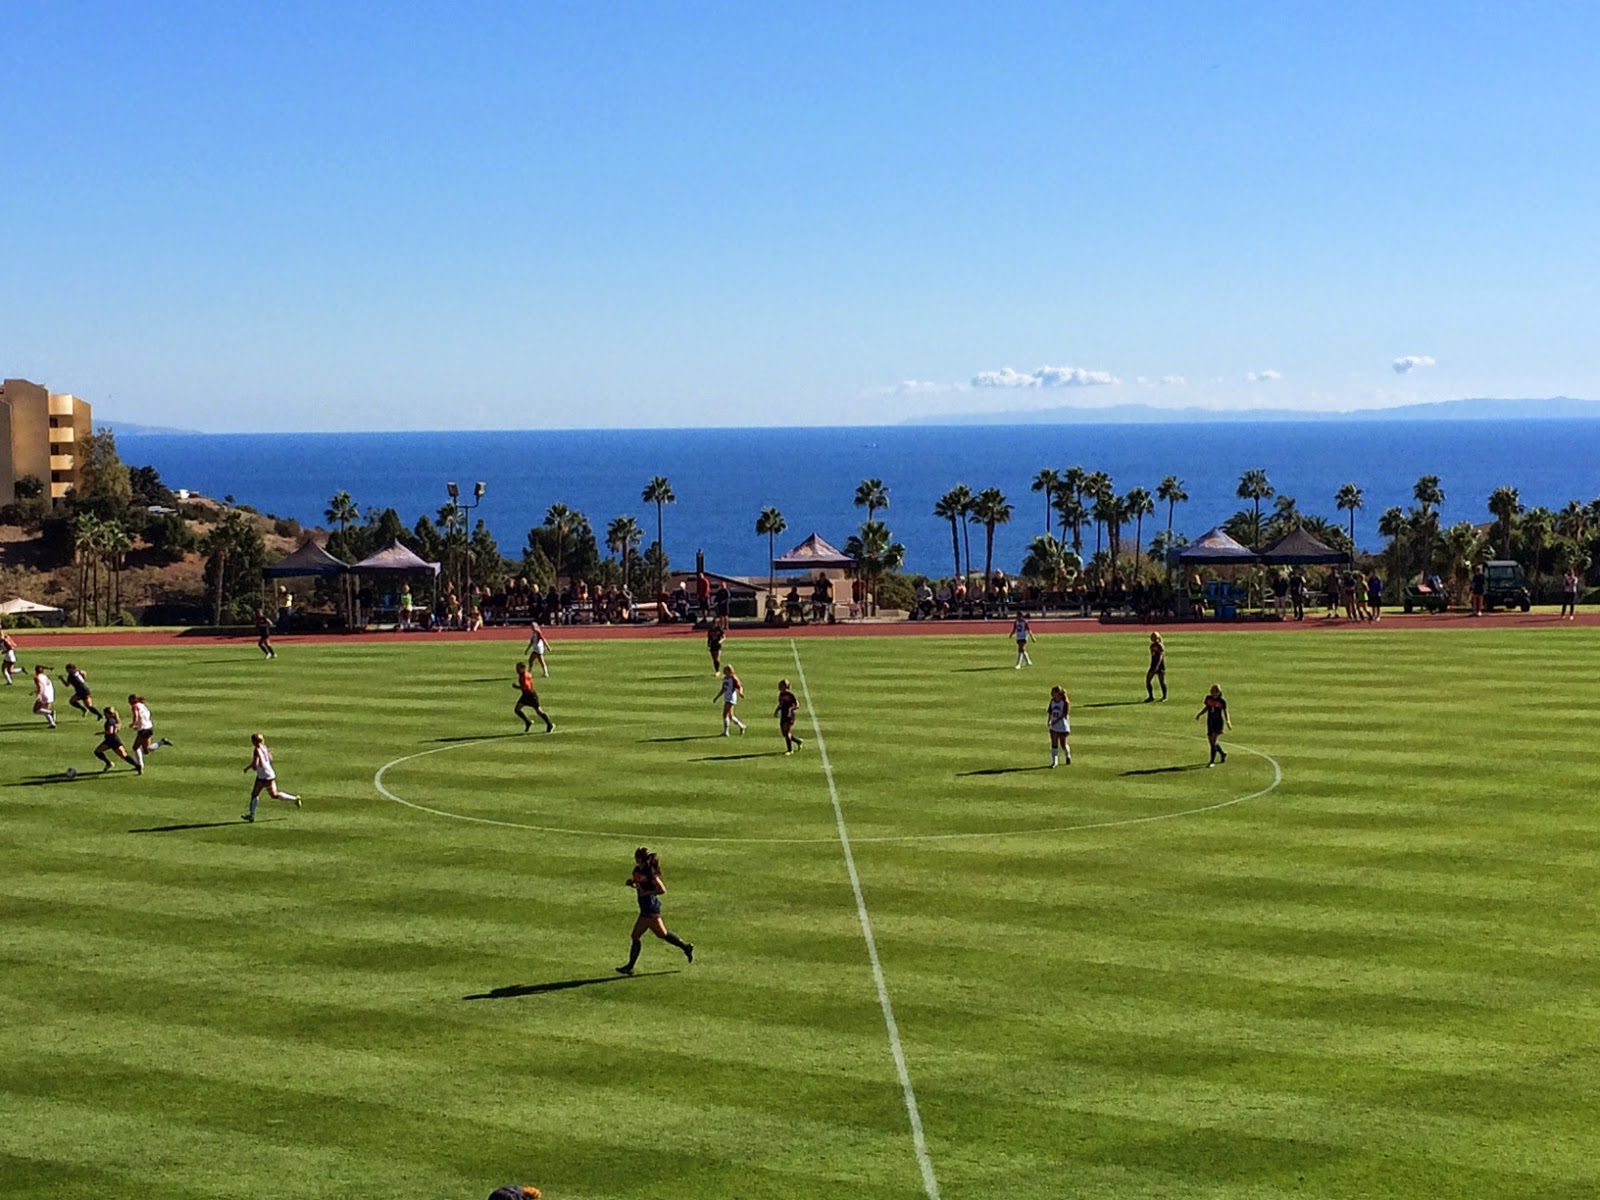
{"points": [[307, 216]]}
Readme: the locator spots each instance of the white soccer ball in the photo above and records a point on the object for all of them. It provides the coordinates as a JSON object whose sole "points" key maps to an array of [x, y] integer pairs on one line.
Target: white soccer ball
{"points": [[72, 772]]}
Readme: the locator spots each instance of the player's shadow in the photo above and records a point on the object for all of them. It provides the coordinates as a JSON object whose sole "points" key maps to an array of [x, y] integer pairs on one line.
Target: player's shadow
{"points": [[63, 777], [203, 825], [965, 670], [688, 737], [1109, 704], [512, 991], [670, 678], [476, 737], [1166, 770], [737, 757], [24, 725], [1004, 770]]}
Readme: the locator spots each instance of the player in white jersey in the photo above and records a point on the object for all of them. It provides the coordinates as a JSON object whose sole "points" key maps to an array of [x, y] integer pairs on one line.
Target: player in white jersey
{"points": [[1020, 631], [731, 691], [144, 730], [266, 776], [44, 694], [1059, 718]]}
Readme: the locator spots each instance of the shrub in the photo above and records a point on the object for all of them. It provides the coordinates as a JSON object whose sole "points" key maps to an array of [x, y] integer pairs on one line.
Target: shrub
{"points": [[286, 527]]}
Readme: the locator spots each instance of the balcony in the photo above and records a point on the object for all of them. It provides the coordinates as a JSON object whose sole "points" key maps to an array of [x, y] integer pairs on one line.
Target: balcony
{"points": [[65, 435], [62, 462]]}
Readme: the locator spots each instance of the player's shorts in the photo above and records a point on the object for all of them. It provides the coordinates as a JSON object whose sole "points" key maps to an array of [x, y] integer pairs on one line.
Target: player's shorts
{"points": [[528, 698], [1060, 727], [649, 904], [112, 741], [539, 648], [265, 775]]}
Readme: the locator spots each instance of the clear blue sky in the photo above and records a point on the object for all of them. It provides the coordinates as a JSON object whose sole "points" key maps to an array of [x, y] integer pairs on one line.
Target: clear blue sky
{"points": [[401, 216]]}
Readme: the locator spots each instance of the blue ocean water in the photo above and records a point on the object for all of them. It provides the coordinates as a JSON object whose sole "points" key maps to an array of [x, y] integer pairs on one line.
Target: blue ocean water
{"points": [[723, 478]]}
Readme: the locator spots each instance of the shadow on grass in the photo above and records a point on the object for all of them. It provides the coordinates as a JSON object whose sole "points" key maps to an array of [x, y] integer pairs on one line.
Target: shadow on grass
{"points": [[671, 678], [688, 737], [1166, 770], [966, 670], [203, 825], [63, 777], [738, 757], [512, 991], [39, 724], [1110, 704], [476, 737], [1004, 770]]}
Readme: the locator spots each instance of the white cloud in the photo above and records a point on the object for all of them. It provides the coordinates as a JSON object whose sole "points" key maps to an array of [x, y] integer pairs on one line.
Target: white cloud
{"points": [[1403, 364], [1262, 376], [1173, 381], [1044, 377]]}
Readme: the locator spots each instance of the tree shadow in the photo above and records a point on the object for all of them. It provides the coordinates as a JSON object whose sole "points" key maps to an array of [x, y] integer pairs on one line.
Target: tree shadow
{"points": [[1166, 770], [476, 737], [1003, 770], [688, 737], [512, 991], [203, 825], [737, 757]]}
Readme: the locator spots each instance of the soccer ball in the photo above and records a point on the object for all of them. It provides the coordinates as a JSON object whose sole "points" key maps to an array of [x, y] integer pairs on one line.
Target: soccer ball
{"points": [[72, 772]]}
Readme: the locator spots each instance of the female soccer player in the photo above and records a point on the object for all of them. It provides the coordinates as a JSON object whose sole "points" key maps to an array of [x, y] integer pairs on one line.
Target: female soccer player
{"points": [[266, 777], [1215, 711], [646, 882], [81, 700], [144, 729], [788, 707], [111, 739], [536, 648], [1158, 668], [8, 657], [1059, 718], [529, 699], [714, 636], [730, 692], [264, 634], [44, 694], [1020, 631]]}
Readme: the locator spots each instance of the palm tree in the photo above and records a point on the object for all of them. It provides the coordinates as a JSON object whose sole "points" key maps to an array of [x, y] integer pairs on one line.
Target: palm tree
{"points": [[872, 495], [560, 520], [1140, 505], [876, 553], [1049, 562], [1572, 522], [659, 492], [1048, 482], [1463, 545], [622, 535], [1170, 490], [953, 506], [1396, 526], [116, 541], [1073, 514], [1429, 496], [1253, 486], [85, 538], [1349, 498], [1285, 518], [1505, 504], [342, 511], [770, 523], [989, 508], [1538, 524], [1097, 487]]}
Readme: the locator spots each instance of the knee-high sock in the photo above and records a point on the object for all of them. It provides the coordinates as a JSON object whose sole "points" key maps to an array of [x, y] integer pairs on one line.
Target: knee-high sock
{"points": [[633, 952], [673, 939]]}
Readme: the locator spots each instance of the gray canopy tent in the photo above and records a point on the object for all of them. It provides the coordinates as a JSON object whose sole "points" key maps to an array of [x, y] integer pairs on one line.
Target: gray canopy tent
{"points": [[395, 561], [1214, 547], [310, 560], [1297, 548], [815, 553]]}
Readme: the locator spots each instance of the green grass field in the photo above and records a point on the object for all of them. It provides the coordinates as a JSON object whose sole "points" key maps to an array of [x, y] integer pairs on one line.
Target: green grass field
{"points": [[1131, 977]]}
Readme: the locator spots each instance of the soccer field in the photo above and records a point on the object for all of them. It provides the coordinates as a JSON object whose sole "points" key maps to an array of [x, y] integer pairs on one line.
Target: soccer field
{"points": [[1357, 960]]}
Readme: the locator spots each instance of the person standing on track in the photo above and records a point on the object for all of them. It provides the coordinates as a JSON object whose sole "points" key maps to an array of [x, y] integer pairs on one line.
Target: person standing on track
{"points": [[1215, 711], [1569, 595], [111, 739], [788, 708], [1058, 716], [536, 648], [646, 883], [1023, 634], [1158, 668], [44, 694], [266, 776], [730, 693], [82, 699], [529, 699]]}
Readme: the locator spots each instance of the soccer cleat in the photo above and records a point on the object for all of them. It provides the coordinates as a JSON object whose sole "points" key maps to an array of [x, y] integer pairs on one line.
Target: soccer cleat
{"points": [[164, 742], [798, 743], [297, 801], [246, 817], [688, 951], [741, 731], [724, 733], [624, 970], [550, 728], [1223, 754]]}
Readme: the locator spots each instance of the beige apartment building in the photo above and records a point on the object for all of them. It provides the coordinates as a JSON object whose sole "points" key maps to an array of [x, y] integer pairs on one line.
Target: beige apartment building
{"points": [[40, 435]]}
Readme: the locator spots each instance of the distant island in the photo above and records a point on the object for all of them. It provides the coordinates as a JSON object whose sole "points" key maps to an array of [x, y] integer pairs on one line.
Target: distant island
{"points": [[129, 427], [1552, 408]]}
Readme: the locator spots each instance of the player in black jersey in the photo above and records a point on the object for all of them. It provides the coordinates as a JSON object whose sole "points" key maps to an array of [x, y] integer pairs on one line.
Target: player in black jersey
{"points": [[646, 882], [1158, 668], [788, 708], [111, 739], [81, 700], [714, 636]]}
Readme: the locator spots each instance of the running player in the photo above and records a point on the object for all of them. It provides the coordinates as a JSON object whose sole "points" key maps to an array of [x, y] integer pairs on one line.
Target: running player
{"points": [[44, 694], [1020, 631], [264, 633], [81, 700], [730, 693], [788, 708], [646, 882], [1059, 718], [111, 739], [536, 648], [714, 636], [8, 657], [1158, 668], [266, 776], [144, 729], [1215, 711], [529, 699]]}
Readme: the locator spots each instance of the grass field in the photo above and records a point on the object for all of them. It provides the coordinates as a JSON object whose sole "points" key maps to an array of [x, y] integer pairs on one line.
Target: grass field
{"points": [[1130, 977]]}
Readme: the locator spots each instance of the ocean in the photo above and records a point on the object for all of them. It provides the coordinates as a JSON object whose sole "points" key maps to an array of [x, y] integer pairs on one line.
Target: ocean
{"points": [[723, 478]]}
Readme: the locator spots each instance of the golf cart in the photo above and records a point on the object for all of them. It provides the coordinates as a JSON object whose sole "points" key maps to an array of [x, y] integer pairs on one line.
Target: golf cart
{"points": [[1428, 593], [1505, 586]]}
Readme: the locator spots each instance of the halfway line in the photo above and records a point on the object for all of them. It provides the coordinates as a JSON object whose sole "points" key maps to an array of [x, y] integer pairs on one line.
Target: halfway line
{"points": [[929, 1184]]}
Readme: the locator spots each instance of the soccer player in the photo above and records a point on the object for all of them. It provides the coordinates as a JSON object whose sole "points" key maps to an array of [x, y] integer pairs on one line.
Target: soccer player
{"points": [[1059, 718], [111, 739], [730, 692], [646, 882], [264, 634], [144, 729], [529, 699], [266, 776], [714, 636], [1020, 631], [536, 648], [81, 700], [1158, 668], [788, 708], [1215, 711], [8, 657], [44, 694]]}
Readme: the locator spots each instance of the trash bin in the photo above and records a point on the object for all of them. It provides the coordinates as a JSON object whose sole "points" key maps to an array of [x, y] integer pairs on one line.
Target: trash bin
{"points": [[1227, 611]]}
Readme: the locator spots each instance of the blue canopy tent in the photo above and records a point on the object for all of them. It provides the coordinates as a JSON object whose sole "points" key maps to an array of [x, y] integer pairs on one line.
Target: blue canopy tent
{"points": [[311, 560]]}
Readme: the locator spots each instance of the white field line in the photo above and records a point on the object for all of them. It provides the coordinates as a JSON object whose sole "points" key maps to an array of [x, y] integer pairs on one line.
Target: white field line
{"points": [[929, 1184]]}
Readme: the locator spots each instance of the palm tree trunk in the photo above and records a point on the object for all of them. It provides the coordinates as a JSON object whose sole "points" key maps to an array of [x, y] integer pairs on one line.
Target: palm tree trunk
{"points": [[955, 546], [988, 554]]}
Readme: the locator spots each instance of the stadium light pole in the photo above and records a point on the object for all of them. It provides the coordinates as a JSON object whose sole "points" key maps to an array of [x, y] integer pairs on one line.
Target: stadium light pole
{"points": [[463, 509]]}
